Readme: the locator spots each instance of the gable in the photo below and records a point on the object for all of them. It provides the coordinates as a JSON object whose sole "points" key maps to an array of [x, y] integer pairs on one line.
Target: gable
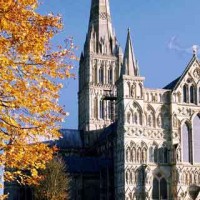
{"points": [[191, 75]]}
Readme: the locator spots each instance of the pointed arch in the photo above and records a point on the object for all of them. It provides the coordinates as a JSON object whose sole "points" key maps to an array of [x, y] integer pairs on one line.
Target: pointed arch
{"points": [[151, 154], [133, 154], [192, 94], [163, 188], [185, 93], [155, 192], [186, 142], [128, 154], [95, 108], [196, 139], [140, 90], [110, 75], [144, 155], [101, 109], [101, 74], [150, 116], [137, 114], [160, 189], [139, 155]]}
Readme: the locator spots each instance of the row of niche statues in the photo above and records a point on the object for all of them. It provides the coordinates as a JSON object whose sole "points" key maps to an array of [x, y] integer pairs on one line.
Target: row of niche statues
{"points": [[135, 117], [139, 155], [136, 155], [135, 90]]}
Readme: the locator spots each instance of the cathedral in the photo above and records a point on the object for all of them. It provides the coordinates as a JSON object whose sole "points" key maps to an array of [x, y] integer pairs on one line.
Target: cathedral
{"points": [[133, 143]]}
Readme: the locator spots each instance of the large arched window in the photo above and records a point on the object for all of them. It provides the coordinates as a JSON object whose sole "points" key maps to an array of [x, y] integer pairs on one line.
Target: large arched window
{"points": [[187, 143], [196, 135], [185, 93]]}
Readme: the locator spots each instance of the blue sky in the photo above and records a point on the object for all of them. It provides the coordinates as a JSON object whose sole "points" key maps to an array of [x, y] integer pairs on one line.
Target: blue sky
{"points": [[163, 32]]}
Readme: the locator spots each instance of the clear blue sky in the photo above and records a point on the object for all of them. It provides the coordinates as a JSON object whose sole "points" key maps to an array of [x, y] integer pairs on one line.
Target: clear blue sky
{"points": [[163, 32]]}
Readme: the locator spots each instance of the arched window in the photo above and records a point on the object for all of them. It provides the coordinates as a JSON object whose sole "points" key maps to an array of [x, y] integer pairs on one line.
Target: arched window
{"points": [[185, 93], [95, 108], [192, 94], [159, 189], [141, 90], [151, 154], [161, 155], [109, 109], [110, 75], [199, 94], [101, 109], [163, 189], [101, 75], [187, 143], [196, 135], [155, 193], [156, 154], [94, 74]]}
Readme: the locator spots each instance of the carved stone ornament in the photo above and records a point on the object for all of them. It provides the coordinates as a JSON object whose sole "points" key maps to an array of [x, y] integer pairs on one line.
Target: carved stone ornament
{"points": [[196, 73]]}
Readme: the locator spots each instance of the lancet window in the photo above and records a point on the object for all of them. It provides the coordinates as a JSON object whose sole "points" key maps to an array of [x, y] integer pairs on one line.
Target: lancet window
{"points": [[196, 140], [187, 143], [159, 189], [101, 72], [110, 75]]}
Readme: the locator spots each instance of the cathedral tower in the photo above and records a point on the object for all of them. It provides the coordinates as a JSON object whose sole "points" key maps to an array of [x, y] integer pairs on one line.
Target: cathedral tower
{"points": [[99, 69]]}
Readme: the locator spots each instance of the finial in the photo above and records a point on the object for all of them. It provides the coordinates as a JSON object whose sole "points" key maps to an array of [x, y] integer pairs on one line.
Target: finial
{"points": [[195, 49], [129, 29]]}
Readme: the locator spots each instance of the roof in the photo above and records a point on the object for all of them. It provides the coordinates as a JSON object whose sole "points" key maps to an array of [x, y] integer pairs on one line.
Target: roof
{"points": [[172, 85], [69, 139], [110, 130], [77, 164]]}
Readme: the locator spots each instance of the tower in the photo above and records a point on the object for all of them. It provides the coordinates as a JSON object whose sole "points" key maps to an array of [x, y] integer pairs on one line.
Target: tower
{"points": [[130, 118], [99, 69]]}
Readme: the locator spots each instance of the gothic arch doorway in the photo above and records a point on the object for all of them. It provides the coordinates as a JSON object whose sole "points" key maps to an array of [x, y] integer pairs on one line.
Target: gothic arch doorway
{"points": [[160, 188], [194, 191]]}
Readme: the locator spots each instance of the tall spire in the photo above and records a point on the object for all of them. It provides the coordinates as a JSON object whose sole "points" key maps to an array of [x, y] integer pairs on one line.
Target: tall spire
{"points": [[129, 64], [100, 30], [100, 18]]}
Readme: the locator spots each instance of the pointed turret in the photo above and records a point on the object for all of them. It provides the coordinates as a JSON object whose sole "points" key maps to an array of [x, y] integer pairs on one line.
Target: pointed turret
{"points": [[130, 66]]}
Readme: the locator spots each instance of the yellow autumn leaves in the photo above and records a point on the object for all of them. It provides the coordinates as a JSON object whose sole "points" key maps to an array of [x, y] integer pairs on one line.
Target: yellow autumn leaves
{"points": [[29, 89]]}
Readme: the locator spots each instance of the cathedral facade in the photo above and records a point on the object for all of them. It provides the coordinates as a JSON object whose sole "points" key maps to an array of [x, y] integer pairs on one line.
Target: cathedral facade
{"points": [[156, 144]]}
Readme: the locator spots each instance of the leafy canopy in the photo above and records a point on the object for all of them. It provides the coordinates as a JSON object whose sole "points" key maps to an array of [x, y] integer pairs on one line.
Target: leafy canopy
{"points": [[29, 90], [55, 182]]}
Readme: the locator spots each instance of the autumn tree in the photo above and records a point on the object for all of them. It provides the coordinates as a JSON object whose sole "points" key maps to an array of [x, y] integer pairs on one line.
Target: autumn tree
{"points": [[55, 183], [30, 68]]}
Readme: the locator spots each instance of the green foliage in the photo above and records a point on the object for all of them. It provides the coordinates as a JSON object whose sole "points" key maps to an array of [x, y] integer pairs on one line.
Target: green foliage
{"points": [[55, 183]]}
